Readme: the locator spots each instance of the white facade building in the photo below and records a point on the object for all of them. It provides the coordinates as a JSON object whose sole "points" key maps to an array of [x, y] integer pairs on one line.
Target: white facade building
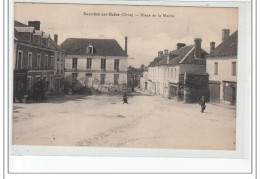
{"points": [[222, 69], [98, 63]]}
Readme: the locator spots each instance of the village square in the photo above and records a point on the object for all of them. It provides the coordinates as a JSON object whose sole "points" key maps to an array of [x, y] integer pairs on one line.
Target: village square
{"points": [[86, 92]]}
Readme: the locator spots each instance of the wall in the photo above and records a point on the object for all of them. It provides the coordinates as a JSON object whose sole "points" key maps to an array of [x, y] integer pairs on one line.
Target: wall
{"points": [[96, 62], [224, 72], [96, 69], [192, 68], [224, 69]]}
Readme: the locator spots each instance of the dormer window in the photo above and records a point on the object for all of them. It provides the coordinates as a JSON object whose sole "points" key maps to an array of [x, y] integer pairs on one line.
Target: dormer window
{"points": [[90, 49]]}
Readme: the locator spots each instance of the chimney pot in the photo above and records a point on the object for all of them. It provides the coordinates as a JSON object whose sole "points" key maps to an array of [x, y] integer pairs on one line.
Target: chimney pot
{"points": [[160, 53], [35, 24], [179, 45], [225, 34], [126, 38], [56, 38], [212, 46], [197, 45]]}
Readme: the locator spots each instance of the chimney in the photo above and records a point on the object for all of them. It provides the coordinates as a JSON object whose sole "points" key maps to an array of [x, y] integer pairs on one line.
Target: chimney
{"points": [[225, 34], [166, 52], [197, 45], [168, 58], [126, 44], [212, 46], [56, 38], [35, 24], [179, 45], [160, 53]]}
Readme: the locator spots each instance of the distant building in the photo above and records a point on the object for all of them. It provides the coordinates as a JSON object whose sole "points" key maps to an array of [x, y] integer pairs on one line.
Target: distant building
{"points": [[144, 80], [222, 69], [97, 63], [180, 74], [36, 57]]}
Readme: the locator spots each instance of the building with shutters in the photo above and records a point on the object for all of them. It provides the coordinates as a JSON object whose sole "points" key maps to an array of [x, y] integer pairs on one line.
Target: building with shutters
{"points": [[222, 69], [36, 58], [97, 63]]}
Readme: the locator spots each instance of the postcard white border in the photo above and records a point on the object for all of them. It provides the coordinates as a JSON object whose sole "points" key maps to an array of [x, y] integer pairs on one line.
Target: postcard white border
{"points": [[243, 106]]}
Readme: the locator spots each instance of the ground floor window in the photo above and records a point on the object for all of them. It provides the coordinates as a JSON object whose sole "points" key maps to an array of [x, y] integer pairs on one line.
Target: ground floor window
{"points": [[29, 83], [102, 79], [74, 77], [116, 77]]}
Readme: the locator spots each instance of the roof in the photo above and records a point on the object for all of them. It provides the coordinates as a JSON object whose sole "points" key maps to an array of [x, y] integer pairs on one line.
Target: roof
{"points": [[20, 27], [19, 24], [102, 47], [226, 48], [45, 35], [185, 55], [25, 29], [38, 32]]}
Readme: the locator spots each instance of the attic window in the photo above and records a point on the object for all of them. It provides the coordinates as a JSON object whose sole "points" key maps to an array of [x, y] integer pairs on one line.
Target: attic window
{"points": [[89, 50]]}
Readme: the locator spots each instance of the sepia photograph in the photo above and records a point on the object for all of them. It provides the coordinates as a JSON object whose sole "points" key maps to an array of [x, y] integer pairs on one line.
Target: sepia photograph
{"points": [[124, 76]]}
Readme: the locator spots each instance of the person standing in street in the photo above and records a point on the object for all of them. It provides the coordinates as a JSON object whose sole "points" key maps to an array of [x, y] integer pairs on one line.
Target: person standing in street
{"points": [[125, 98], [202, 104]]}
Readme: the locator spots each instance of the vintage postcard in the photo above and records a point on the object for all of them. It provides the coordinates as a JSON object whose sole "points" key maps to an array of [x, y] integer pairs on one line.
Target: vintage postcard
{"points": [[124, 76]]}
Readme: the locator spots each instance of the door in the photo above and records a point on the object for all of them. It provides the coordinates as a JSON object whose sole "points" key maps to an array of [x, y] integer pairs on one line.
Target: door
{"points": [[88, 79], [214, 90]]}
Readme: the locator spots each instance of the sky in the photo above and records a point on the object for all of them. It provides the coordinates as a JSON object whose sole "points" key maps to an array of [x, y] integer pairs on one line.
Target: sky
{"points": [[146, 34]]}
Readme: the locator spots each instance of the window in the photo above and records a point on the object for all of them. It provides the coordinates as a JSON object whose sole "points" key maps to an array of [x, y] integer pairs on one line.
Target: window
{"points": [[116, 64], [46, 62], [175, 73], [29, 83], [234, 69], [103, 63], [52, 62], [51, 82], [61, 68], [89, 63], [31, 37], [38, 61], [88, 74], [29, 65], [58, 56], [74, 62], [74, 77], [216, 68], [19, 59], [102, 79], [116, 77], [58, 68], [89, 50]]}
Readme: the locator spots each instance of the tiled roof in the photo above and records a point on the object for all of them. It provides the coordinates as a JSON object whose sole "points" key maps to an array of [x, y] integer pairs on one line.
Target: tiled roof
{"points": [[102, 47], [226, 48], [185, 55]]}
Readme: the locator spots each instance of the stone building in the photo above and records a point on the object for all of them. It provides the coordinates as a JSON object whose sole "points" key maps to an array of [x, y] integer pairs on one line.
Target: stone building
{"points": [[97, 63], [222, 69], [34, 60], [180, 74]]}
